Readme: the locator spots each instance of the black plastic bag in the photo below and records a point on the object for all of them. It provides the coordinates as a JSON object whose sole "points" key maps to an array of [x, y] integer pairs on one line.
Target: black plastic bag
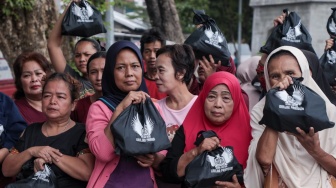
{"points": [[208, 39], [41, 179], [297, 106], [211, 166], [331, 24], [328, 64], [82, 20], [139, 130], [290, 33]]}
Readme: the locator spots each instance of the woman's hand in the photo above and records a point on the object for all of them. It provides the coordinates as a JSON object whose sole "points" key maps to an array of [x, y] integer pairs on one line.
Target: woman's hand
{"points": [[208, 144], [225, 184], [47, 153], [279, 20], [133, 97], [310, 141], [209, 67], [329, 44], [145, 160], [284, 83], [39, 164]]}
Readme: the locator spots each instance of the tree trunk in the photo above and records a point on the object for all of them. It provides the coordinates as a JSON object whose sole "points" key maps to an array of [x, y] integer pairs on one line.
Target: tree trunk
{"points": [[164, 16]]}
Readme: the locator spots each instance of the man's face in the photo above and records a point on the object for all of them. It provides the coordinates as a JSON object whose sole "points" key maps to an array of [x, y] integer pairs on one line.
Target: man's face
{"points": [[149, 53]]}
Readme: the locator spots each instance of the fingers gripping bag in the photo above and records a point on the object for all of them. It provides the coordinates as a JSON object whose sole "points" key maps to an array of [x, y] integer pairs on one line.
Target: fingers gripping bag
{"points": [[208, 39], [291, 33], [297, 106], [219, 164]]}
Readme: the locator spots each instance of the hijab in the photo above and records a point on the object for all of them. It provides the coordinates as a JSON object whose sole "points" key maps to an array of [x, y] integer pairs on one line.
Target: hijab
{"points": [[246, 72], [112, 95], [295, 166], [318, 75], [236, 131]]}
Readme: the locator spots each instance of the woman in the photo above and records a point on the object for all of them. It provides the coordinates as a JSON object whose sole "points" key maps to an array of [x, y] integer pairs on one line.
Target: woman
{"points": [[123, 84], [302, 160], [175, 67], [84, 48], [95, 68], [58, 142], [246, 73], [29, 69], [219, 107]]}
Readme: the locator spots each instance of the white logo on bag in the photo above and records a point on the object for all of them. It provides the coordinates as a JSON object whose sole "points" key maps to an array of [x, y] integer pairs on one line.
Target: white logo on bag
{"points": [[293, 33], [144, 131], [83, 13], [42, 175], [331, 55], [220, 162], [1, 129], [291, 102], [332, 26], [214, 38]]}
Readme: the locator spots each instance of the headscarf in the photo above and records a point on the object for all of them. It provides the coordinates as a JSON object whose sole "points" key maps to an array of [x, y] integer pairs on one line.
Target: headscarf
{"points": [[112, 95], [318, 75], [295, 166], [246, 72], [236, 131]]}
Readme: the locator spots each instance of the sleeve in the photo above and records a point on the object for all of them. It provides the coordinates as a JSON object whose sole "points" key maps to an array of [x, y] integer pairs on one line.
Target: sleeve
{"points": [[14, 125], [72, 72], [97, 119], [168, 166], [81, 143]]}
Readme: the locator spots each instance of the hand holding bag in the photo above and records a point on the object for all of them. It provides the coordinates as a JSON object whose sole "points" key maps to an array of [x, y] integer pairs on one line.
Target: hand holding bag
{"points": [[41, 179], [82, 20], [291, 33], [208, 39], [297, 106], [139, 130], [211, 166]]}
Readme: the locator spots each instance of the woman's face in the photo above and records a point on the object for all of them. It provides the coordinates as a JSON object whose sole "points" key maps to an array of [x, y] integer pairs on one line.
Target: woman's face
{"points": [[32, 74], [165, 78], [281, 66], [218, 105], [83, 52], [56, 100], [96, 69], [127, 71]]}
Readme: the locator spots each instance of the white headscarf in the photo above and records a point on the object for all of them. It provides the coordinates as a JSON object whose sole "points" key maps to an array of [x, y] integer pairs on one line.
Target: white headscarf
{"points": [[293, 163]]}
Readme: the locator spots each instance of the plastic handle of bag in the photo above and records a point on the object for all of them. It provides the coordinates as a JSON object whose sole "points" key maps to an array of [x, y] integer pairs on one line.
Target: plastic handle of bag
{"points": [[203, 135]]}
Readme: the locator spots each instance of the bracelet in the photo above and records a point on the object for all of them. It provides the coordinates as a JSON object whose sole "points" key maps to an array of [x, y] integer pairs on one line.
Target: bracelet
{"points": [[83, 151], [13, 151]]}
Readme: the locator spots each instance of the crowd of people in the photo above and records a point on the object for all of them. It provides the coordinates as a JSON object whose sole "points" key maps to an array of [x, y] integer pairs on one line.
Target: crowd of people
{"points": [[63, 118]]}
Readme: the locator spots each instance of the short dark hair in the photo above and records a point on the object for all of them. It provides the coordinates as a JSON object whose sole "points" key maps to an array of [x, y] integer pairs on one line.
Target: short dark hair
{"points": [[183, 59], [73, 84], [94, 43], [101, 54], [149, 36], [18, 64]]}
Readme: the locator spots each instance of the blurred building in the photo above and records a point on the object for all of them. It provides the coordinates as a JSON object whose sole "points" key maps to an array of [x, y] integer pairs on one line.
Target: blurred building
{"points": [[314, 15]]}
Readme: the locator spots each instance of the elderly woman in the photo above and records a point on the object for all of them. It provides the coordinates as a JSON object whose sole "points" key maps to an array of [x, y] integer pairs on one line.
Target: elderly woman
{"points": [[29, 69], [123, 84], [58, 141], [303, 159], [219, 107]]}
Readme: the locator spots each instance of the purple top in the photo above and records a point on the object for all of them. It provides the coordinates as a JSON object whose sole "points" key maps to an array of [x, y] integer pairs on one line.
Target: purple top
{"points": [[129, 174]]}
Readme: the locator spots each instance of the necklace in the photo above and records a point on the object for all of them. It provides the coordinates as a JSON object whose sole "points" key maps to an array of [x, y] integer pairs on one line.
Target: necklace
{"points": [[65, 126]]}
